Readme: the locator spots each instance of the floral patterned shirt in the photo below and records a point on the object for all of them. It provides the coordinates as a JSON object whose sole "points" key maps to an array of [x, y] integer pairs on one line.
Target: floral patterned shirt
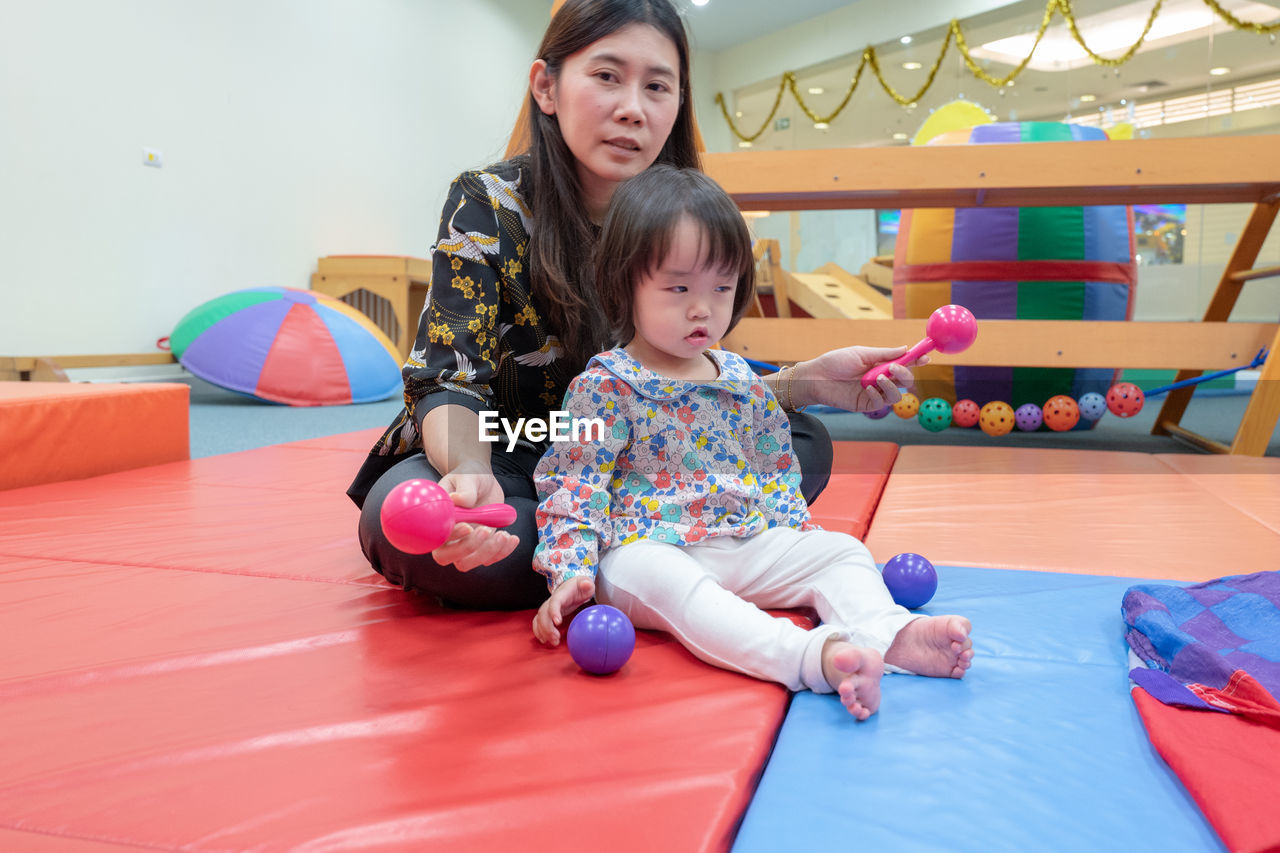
{"points": [[680, 461]]}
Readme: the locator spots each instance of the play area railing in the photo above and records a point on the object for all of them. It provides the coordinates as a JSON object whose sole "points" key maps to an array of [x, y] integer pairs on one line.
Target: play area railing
{"points": [[1203, 170]]}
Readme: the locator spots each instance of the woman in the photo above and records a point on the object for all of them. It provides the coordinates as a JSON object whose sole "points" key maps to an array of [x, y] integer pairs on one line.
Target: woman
{"points": [[513, 314]]}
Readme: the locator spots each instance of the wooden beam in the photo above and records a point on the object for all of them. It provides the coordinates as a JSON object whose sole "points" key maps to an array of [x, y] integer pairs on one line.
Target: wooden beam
{"points": [[1221, 303], [1254, 275], [1196, 439], [1136, 171], [1263, 410], [1020, 343], [51, 367]]}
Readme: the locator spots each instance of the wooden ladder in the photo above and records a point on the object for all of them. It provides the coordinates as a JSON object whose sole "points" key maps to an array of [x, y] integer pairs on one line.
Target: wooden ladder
{"points": [[1263, 410]]}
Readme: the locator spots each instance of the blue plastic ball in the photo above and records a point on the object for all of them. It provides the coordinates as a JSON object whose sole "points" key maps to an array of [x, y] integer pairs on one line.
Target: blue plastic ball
{"points": [[1092, 406], [601, 639], [911, 580], [879, 413], [1029, 417]]}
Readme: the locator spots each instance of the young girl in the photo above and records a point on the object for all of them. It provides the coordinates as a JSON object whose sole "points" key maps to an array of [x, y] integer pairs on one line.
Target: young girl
{"points": [[687, 515]]}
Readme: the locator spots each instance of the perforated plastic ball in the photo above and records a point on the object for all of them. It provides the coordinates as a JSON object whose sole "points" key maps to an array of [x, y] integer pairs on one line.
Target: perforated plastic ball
{"points": [[1125, 399], [1028, 417], [1092, 406], [911, 580], [601, 639], [907, 407], [935, 414], [996, 418], [1061, 413], [878, 413], [965, 414]]}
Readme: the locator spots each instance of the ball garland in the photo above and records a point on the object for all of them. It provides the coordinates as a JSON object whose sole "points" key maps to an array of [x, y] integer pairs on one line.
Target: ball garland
{"points": [[1060, 412]]}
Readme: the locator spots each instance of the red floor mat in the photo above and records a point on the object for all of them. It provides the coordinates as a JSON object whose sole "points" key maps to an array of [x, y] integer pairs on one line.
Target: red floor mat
{"points": [[198, 657]]}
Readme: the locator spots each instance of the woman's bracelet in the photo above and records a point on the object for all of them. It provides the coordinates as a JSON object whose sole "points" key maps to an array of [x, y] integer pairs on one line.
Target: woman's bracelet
{"points": [[789, 403]]}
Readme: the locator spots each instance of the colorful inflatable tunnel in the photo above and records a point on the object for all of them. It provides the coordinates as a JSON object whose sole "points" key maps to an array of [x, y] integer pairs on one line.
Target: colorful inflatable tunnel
{"points": [[1005, 263]]}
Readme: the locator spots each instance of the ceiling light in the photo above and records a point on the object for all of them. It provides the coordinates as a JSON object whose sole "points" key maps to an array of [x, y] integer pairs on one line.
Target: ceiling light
{"points": [[816, 90], [899, 136], [1114, 31], [744, 144], [820, 125], [912, 66], [905, 39], [1219, 71], [738, 114], [700, 2], [1088, 99]]}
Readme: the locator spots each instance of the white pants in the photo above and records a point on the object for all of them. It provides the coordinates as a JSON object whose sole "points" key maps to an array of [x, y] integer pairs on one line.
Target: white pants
{"points": [[709, 596]]}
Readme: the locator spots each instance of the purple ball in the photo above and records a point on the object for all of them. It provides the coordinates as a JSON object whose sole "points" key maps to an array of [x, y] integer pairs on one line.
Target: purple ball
{"points": [[879, 413], [1092, 406], [1028, 417], [911, 580], [601, 639]]}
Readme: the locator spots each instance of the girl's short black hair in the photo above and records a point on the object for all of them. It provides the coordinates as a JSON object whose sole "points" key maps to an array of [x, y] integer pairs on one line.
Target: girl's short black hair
{"points": [[638, 232]]}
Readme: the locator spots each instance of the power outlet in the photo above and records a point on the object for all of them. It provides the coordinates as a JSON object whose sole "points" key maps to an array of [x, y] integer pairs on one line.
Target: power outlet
{"points": [[152, 157]]}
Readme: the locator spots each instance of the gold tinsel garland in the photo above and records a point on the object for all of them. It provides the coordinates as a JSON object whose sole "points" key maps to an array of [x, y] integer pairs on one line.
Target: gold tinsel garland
{"points": [[1054, 7]]}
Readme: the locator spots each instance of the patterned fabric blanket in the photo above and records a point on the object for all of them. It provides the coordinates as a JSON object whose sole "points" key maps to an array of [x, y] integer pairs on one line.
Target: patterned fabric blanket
{"points": [[1214, 645]]}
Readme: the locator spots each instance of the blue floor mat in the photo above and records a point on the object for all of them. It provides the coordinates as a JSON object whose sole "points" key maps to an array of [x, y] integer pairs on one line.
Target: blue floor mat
{"points": [[1039, 747]]}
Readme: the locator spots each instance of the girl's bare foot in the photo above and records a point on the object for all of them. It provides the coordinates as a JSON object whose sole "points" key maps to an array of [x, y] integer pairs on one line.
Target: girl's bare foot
{"points": [[933, 645], [854, 672]]}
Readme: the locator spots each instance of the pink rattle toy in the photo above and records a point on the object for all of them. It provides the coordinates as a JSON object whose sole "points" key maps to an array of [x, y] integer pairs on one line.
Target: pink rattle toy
{"points": [[418, 516], [950, 329]]}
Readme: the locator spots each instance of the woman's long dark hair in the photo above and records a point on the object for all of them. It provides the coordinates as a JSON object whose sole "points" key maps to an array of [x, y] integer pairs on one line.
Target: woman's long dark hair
{"points": [[563, 239]]}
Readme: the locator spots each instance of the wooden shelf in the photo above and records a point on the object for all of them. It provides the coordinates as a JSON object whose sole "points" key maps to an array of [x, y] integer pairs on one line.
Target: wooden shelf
{"points": [[1209, 170], [1134, 171]]}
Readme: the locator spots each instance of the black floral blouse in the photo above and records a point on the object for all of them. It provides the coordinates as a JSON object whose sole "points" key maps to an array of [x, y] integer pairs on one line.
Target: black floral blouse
{"points": [[481, 343]]}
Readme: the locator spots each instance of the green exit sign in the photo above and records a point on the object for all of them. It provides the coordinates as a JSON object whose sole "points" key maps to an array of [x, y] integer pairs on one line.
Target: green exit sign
{"points": [[782, 124]]}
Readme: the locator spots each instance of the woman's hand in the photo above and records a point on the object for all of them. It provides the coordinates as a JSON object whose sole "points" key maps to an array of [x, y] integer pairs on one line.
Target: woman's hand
{"points": [[472, 545], [834, 379], [566, 598]]}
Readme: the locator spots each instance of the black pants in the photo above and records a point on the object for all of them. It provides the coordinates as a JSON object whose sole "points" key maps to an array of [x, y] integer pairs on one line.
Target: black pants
{"points": [[511, 583]]}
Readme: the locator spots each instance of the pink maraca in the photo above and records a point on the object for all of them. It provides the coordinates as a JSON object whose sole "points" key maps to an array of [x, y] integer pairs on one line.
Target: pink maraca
{"points": [[950, 329], [418, 516]]}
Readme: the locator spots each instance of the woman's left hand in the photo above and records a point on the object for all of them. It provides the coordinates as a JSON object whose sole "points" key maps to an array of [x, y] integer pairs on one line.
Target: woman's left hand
{"points": [[835, 379]]}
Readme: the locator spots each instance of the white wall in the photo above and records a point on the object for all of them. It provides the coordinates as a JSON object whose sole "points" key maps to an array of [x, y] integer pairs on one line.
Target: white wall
{"points": [[290, 129]]}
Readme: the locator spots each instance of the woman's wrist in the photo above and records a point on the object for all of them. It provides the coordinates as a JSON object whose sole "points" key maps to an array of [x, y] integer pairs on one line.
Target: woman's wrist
{"points": [[787, 392]]}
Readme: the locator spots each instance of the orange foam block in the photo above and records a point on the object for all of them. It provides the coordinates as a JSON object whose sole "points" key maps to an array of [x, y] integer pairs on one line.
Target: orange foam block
{"points": [[55, 431], [1081, 511]]}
